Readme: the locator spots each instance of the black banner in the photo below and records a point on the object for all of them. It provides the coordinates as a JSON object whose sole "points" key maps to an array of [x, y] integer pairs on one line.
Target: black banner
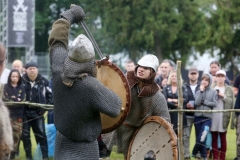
{"points": [[20, 23]]}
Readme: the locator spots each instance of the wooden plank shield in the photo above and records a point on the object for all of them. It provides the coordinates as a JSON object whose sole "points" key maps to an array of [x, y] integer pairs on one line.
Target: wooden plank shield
{"points": [[157, 136], [113, 78]]}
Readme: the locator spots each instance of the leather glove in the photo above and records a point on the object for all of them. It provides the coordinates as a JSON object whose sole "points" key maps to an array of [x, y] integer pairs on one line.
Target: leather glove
{"points": [[73, 15]]}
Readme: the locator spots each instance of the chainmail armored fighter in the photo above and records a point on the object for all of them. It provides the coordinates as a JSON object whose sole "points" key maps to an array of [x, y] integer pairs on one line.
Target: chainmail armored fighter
{"points": [[79, 96], [146, 100]]}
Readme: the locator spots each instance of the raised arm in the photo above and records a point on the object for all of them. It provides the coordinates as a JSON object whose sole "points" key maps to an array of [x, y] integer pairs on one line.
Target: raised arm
{"points": [[58, 38]]}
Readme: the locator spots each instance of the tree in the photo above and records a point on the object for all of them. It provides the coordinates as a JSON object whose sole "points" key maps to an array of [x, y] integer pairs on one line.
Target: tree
{"points": [[166, 28], [224, 31], [46, 13]]}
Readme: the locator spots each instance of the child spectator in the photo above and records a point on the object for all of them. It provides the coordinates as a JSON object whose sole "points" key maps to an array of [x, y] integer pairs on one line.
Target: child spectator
{"points": [[205, 99]]}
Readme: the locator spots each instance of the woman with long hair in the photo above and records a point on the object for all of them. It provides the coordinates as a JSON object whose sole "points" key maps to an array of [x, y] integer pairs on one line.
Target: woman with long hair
{"points": [[170, 92], [220, 121], [14, 92]]}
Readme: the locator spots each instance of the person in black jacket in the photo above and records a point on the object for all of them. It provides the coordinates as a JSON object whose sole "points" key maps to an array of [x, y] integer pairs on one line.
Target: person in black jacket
{"points": [[37, 91], [192, 87], [171, 94], [14, 92]]}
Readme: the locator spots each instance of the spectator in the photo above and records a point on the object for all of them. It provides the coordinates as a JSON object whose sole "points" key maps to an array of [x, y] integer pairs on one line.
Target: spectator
{"points": [[192, 87], [146, 100], [171, 94], [129, 66], [205, 99], [165, 70], [37, 91], [17, 64], [221, 120], [214, 67], [14, 91]]}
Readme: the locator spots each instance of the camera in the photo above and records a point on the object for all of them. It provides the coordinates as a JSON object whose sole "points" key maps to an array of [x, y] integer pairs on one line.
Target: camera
{"points": [[217, 90]]}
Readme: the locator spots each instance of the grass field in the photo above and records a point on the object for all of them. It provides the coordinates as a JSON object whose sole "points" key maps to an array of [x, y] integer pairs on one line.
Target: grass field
{"points": [[231, 147]]}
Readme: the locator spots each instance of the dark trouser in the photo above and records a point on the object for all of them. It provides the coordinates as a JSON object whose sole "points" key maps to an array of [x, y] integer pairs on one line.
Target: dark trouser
{"points": [[215, 145], [200, 123], [37, 124], [103, 151], [50, 117]]}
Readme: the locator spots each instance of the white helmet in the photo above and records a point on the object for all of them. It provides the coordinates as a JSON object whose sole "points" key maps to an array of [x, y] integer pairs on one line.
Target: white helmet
{"points": [[149, 60], [81, 49]]}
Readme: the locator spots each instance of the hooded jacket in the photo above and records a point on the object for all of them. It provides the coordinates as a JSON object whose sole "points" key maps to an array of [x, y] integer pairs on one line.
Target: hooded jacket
{"points": [[205, 100]]}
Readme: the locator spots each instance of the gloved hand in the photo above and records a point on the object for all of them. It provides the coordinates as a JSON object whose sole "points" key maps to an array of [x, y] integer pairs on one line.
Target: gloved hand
{"points": [[73, 15]]}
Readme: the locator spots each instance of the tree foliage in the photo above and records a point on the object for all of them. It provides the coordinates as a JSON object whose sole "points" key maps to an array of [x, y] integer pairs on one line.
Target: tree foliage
{"points": [[167, 28], [224, 31]]}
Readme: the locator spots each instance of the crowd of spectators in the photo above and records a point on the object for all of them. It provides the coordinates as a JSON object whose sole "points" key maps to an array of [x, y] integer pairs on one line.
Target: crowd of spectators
{"points": [[211, 92], [20, 84]]}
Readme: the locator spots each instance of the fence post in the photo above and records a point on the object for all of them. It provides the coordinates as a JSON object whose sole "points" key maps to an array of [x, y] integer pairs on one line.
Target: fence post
{"points": [[180, 114]]}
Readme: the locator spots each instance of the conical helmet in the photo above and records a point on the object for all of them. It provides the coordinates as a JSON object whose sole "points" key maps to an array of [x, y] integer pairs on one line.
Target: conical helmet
{"points": [[81, 49], [149, 60]]}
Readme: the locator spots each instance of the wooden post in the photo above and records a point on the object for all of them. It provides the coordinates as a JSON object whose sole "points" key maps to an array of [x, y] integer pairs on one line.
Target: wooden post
{"points": [[180, 114]]}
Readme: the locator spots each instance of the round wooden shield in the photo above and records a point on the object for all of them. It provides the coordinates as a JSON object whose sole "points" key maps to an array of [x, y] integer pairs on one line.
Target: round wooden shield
{"points": [[155, 136], [113, 78]]}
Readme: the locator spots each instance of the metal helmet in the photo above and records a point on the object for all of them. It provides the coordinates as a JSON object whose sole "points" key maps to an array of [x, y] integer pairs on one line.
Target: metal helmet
{"points": [[81, 49], [149, 60]]}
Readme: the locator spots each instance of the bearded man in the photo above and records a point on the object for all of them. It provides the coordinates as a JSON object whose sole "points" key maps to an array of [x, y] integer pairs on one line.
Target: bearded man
{"points": [[78, 96]]}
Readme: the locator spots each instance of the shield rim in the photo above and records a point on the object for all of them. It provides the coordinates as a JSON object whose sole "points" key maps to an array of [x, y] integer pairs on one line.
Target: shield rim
{"points": [[169, 129], [128, 95]]}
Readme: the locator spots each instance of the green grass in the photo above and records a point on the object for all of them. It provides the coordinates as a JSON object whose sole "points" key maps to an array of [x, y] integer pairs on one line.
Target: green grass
{"points": [[231, 146]]}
